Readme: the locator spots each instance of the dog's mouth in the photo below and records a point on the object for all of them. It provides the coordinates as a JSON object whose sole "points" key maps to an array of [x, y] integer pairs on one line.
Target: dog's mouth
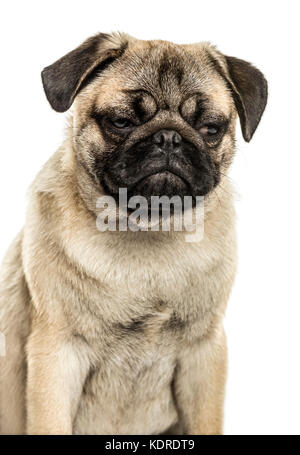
{"points": [[156, 182], [163, 176]]}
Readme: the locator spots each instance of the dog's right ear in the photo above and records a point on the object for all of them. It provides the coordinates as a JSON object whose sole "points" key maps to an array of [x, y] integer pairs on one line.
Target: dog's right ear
{"points": [[63, 79]]}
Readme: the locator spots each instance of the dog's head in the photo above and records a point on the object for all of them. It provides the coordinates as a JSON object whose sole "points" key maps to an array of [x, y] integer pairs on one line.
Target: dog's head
{"points": [[155, 117]]}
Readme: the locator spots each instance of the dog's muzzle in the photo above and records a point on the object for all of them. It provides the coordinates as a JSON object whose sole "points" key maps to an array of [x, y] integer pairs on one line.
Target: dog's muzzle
{"points": [[162, 164]]}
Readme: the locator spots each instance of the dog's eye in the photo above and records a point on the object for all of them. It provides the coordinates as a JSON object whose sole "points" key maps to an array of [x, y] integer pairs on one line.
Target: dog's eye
{"points": [[209, 130], [121, 123]]}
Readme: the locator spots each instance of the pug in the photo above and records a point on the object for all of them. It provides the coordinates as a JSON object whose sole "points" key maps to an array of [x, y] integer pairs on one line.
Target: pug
{"points": [[120, 331]]}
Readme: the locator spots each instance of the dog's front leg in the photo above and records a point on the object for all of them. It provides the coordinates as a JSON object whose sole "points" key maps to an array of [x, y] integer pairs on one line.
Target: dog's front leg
{"points": [[199, 384], [55, 379]]}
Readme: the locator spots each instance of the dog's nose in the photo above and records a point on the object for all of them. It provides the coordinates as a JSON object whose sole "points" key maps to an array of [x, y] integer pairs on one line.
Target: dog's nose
{"points": [[167, 138]]}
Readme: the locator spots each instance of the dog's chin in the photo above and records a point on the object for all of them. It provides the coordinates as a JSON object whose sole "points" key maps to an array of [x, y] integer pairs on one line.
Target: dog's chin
{"points": [[158, 184], [161, 183]]}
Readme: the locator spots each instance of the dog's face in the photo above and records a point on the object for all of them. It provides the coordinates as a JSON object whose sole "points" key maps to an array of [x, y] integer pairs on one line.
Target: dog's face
{"points": [[155, 117]]}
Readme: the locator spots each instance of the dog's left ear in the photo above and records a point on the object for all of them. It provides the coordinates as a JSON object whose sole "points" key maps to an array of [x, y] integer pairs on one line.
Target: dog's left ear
{"points": [[250, 92]]}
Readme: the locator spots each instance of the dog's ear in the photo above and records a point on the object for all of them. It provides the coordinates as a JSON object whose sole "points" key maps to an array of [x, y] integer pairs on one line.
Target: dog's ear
{"points": [[250, 92], [248, 86], [63, 79]]}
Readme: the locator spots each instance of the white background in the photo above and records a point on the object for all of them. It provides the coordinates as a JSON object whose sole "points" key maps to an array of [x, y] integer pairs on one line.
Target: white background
{"points": [[263, 315]]}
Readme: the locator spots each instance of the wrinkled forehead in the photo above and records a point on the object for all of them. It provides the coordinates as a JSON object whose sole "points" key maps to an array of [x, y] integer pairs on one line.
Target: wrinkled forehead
{"points": [[162, 75]]}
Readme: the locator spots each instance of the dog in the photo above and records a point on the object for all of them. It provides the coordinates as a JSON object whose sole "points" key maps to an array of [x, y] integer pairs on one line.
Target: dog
{"points": [[120, 332]]}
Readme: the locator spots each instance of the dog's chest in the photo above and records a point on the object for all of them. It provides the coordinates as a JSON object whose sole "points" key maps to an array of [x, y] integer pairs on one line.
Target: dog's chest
{"points": [[129, 388], [138, 322], [137, 305], [129, 391]]}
